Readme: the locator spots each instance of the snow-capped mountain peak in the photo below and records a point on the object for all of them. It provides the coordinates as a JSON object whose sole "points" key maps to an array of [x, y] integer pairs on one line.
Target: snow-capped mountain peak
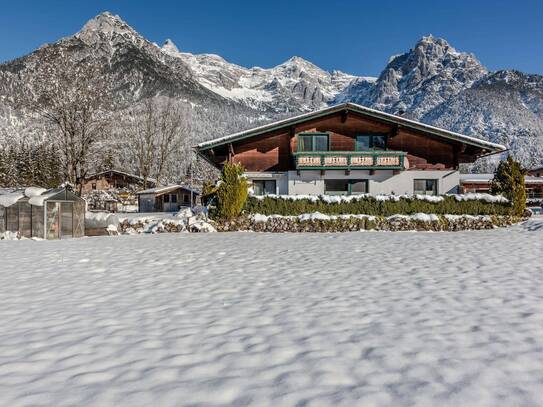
{"points": [[432, 82], [303, 84], [420, 79], [169, 47], [106, 25]]}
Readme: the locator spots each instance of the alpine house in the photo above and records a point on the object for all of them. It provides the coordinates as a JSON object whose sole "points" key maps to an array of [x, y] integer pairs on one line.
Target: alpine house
{"points": [[348, 149]]}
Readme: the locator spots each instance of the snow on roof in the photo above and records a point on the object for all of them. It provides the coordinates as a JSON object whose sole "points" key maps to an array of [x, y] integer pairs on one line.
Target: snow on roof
{"points": [[122, 173], [360, 109], [164, 189], [10, 198], [37, 196], [476, 177], [487, 178]]}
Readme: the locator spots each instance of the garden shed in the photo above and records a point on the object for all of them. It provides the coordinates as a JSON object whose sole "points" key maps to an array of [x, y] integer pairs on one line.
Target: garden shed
{"points": [[48, 214], [169, 198]]}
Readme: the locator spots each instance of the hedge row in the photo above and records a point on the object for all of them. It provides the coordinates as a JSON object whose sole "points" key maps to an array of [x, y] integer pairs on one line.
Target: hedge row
{"points": [[371, 206], [295, 224]]}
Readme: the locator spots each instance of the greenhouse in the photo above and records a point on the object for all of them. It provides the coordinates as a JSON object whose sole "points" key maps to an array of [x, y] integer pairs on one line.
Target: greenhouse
{"points": [[39, 213]]}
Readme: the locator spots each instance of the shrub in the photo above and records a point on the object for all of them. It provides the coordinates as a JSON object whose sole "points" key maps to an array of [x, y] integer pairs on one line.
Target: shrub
{"points": [[231, 192], [509, 181], [369, 205]]}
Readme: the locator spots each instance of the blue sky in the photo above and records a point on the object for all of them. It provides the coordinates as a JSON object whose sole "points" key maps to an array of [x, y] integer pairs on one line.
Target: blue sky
{"points": [[354, 36]]}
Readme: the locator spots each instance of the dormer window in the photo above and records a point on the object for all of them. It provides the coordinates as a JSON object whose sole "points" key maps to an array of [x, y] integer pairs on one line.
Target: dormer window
{"points": [[313, 142], [371, 141]]}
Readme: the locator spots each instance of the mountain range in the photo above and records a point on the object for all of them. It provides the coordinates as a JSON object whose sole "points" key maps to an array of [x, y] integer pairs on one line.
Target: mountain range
{"points": [[432, 82]]}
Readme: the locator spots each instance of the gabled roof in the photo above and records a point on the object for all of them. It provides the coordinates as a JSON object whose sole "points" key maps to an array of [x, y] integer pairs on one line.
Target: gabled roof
{"points": [[166, 189], [36, 196], [126, 174], [352, 107]]}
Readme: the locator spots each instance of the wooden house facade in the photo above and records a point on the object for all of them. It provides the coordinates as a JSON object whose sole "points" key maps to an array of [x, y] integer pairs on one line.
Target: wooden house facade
{"points": [[348, 149], [114, 180]]}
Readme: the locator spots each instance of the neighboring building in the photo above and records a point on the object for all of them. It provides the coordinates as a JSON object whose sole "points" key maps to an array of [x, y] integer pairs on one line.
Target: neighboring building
{"points": [[113, 190], [114, 180], [48, 214], [536, 172], [166, 199], [481, 183], [348, 149]]}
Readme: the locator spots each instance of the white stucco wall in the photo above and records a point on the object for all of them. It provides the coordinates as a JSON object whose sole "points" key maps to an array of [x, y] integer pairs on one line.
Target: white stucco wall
{"points": [[381, 182], [281, 180]]}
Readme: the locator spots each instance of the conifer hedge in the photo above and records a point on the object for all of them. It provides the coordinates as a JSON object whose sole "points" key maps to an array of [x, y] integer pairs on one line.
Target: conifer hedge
{"points": [[369, 205]]}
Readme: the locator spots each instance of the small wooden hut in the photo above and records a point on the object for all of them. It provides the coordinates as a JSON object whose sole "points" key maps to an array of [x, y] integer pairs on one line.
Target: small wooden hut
{"points": [[170, 198], [47, 214]]}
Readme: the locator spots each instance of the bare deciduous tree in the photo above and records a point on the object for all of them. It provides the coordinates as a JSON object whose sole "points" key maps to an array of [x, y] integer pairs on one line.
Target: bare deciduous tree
{"points": [[156, 130], [74, 99]]}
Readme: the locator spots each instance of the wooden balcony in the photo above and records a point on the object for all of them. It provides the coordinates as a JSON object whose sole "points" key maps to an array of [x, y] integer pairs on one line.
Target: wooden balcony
{"points": [[350, 160]]}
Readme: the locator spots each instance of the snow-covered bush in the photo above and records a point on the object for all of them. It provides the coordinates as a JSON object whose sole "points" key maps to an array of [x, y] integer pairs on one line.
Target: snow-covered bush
{"points": [[318, 222], [382, 205]]}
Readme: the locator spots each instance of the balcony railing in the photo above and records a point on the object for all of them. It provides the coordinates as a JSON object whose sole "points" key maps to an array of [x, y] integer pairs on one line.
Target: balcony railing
{"points": [[350, 160]]}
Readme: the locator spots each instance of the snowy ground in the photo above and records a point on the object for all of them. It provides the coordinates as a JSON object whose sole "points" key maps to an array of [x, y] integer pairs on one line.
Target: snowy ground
{"points": [[365, 319]]}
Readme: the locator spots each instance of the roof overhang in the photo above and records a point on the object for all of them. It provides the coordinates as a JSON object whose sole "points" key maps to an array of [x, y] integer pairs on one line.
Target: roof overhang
{"points": [[486, 146], [164, 190]]}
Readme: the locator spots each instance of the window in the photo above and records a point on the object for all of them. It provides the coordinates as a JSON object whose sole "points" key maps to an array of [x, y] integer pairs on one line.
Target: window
{"points": [[186, 198], [25, 219], [371, 142], [264, 187], [2, 220], [12, 218], [345, 186], [94, 185], [66, 220], [425, 187], [336, 186], [313, 142], [173, 198], [359, 186], [167, 198]]}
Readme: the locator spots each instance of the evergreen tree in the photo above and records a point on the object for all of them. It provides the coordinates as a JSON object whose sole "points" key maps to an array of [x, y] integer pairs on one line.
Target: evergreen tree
{"points": [[3, 166], [509, 182], [232, 191]]}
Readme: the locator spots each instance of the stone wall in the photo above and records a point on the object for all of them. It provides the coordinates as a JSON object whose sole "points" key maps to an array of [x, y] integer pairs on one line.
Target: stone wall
{"points": [[420, 222]]}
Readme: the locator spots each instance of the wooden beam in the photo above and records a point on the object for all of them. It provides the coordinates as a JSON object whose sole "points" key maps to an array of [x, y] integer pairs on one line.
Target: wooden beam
{"points": [[292, 131], [230, 152], [395, 131], [456, 154]]}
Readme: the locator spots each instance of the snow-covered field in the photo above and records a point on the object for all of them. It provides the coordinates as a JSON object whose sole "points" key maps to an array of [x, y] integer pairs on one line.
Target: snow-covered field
{"points": [[354, 319]]}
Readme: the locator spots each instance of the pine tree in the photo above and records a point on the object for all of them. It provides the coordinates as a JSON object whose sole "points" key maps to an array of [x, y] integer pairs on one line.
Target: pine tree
{"points": [[509, 182]]}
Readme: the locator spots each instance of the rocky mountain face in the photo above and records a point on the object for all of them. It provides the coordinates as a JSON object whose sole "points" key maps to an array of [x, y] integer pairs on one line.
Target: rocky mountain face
{"points": [[432, 82], [293, 86], [422, 78]]}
